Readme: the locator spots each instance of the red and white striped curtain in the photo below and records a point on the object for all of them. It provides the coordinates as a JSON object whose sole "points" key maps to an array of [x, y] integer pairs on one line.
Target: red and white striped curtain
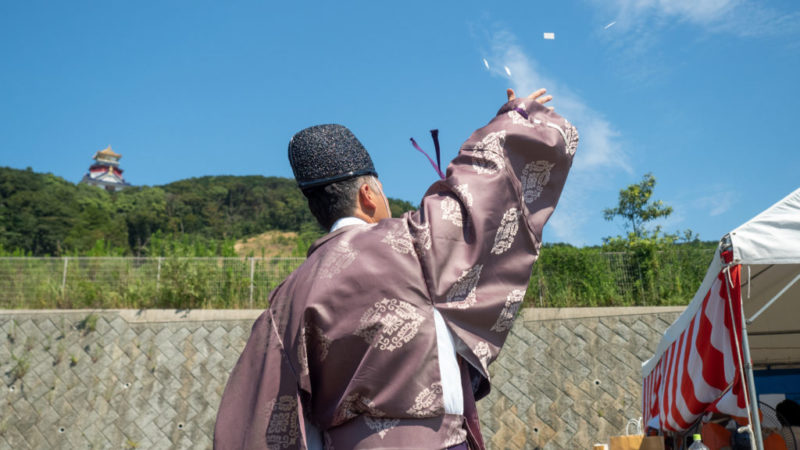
{"points": [[701, 370]]}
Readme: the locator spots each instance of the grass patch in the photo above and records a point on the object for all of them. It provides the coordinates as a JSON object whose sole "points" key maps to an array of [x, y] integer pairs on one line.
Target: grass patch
{"points": [[563, 276], [21, 366], [88, 324]]}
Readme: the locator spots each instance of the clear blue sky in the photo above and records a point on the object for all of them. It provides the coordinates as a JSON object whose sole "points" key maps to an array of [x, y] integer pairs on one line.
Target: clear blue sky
{"points": [[703, 93]]}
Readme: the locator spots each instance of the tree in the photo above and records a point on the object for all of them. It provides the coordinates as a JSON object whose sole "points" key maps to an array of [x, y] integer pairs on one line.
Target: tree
{"points": [[46, 215], [648, 251], [636, 208]]}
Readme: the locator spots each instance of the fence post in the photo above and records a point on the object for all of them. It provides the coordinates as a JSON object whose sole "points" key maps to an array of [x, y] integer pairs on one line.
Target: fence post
{"points": [[252, 283], [642, 283], [541, 293], [64, 278], [158, 276]]}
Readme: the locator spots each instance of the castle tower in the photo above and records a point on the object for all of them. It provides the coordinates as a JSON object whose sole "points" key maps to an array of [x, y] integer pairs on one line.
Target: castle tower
{"points": [[105, 171]]}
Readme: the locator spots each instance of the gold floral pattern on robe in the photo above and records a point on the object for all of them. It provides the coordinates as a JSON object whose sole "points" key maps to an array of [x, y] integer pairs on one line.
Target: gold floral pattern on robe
{"points": [[389, 324], [456, 434], [518, 119], [493, 142], [463, 190], [506, 232], [535, 177], [487, 163], [422, 240], [483, 353], [341, 256], [506, 319], [571, 137], [312, 337], [381, 425], [451, 211], [428, 402], [353, 406], [283, 430], [400, 241], [462, 293]]}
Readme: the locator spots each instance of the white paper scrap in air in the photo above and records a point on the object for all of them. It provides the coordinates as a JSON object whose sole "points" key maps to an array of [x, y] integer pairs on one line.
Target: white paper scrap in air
{"points": [[485, 63], [610, 25], [550, 36], [507, 70]]}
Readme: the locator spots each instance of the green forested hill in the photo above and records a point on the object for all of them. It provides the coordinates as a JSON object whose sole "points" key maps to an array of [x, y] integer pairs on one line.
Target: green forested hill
{"points": [[43, 214]]}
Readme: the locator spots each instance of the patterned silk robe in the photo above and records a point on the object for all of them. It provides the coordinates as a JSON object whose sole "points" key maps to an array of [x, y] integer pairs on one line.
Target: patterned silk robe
{"points": [[348, 342]]}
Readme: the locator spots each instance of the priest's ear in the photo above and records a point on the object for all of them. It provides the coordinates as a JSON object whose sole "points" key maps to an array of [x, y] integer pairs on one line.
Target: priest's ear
{"points": [[372, 203], [368, 199]]}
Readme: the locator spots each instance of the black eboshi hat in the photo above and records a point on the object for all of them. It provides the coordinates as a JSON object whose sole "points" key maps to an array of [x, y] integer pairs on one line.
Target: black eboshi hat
{"points": [[325, 154]]}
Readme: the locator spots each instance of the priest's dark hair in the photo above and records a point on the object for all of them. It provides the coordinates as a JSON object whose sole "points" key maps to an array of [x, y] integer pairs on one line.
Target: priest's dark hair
{"points": [[333, 201]]}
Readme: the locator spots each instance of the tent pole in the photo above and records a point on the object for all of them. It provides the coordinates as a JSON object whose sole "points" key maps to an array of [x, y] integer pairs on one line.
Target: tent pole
{"points": [[751, 389]]}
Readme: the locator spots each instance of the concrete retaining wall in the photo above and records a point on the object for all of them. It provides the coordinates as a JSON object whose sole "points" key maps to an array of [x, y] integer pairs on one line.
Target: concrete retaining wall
{"points": [[153, 379], [569, 378]]}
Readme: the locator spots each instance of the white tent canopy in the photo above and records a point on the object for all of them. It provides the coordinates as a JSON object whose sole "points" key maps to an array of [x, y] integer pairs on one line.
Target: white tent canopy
{"points": [[768, 248], [766, 252]]}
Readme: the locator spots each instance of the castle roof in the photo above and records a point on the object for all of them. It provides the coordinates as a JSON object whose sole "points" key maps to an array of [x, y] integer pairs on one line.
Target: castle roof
{"points": [[107, 152]]}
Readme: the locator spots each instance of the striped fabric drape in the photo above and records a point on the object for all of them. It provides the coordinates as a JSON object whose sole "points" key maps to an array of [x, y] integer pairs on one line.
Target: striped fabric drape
{"points": [[702, 370]]}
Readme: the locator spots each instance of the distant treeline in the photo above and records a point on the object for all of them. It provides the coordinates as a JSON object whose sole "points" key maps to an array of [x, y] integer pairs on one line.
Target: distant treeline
{"points": [[42, 214]]}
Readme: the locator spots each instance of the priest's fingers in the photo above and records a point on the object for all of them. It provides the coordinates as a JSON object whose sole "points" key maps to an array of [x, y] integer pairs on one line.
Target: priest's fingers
{"points": [[544, 99], [538, 93], [540, 97], [510, 94]]}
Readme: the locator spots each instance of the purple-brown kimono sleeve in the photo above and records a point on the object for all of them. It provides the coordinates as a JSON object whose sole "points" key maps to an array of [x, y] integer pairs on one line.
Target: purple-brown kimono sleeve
{"points": [[261, 406], [478, 231]]}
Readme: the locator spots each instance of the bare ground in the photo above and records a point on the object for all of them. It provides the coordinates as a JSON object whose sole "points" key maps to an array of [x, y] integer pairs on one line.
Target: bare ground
{"points": [[268, 245]]}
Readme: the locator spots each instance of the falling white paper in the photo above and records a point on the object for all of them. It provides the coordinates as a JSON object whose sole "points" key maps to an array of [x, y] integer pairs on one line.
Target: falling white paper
{"points": [[550, 36], [610, 25], [507, 71], [485, 63]]}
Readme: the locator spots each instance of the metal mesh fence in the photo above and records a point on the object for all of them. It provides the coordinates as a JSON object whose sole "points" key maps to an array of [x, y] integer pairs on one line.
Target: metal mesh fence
{"points": [[585, 277], [114, 282], [563, 277]]}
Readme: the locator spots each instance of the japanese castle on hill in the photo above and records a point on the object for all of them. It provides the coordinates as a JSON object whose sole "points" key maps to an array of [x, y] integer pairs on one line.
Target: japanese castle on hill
{"points": [[105, 171]]}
